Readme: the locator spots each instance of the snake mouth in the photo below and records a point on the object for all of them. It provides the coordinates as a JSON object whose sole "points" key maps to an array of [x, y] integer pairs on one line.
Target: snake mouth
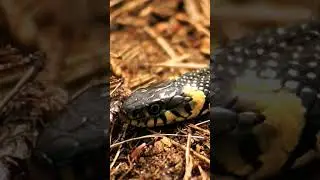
{"points": [[139, 118], [142, 118], [147, 122], [165, 118]]}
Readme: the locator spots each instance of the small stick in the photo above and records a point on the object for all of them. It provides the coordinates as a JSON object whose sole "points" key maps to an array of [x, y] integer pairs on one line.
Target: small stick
{"points": [[192, 10], [115, 157], [128, 7], [114, 2], [162, 42], [189, 163], [150, 136], [88, 86], [182, 65], [193, 152], [200, 129], [33, 70], [118, 85], [204, 122]]}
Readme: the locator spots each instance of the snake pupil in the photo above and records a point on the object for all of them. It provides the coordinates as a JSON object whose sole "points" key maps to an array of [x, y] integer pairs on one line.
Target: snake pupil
{"points": [[154, 109]]}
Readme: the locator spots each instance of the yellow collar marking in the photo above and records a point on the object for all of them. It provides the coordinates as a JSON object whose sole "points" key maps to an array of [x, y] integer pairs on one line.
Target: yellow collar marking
{"points": [[198, 100]]}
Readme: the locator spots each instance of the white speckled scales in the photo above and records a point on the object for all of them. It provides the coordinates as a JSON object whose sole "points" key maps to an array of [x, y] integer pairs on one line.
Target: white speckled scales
{"points": [[278, 58], [199, 79]]}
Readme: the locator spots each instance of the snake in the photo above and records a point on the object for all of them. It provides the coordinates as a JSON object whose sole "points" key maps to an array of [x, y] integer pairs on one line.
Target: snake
{"points": [[183, 98], [274, 73]]}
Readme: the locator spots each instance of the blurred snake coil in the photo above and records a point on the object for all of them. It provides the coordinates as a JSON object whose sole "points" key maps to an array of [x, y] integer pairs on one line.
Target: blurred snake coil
{"points": [[279, 67]]}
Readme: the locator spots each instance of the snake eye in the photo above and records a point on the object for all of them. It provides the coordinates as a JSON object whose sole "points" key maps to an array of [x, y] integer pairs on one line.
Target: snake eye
{"points": [[154, 109]]}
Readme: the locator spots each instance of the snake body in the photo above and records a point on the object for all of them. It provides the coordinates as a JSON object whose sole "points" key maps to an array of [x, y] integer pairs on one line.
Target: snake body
{"points": [[276, 63]]}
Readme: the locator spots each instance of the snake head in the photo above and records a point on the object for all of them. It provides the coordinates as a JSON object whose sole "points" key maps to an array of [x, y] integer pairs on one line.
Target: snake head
{"points": [[163, 104]]}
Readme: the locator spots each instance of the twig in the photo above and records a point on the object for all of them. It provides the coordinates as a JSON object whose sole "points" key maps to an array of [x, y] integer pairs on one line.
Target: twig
{"points": [[115, 2], [205, 6], [115, 157], [118, 85], [88, 86], [33, 70], [11, 78], [114, 84], [197, 25], [189, 164], [162, 42], [131, 52], [193, 152], [204, 175], [125, 50], [21, 62], [204, 122], [128, 7], [201, 28], [130, 168], [150, 136], [115, 169], [171, 61], [182, 65], [72, 70], [192, 10], [114, 55], [199, 129], [177, 59]]}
